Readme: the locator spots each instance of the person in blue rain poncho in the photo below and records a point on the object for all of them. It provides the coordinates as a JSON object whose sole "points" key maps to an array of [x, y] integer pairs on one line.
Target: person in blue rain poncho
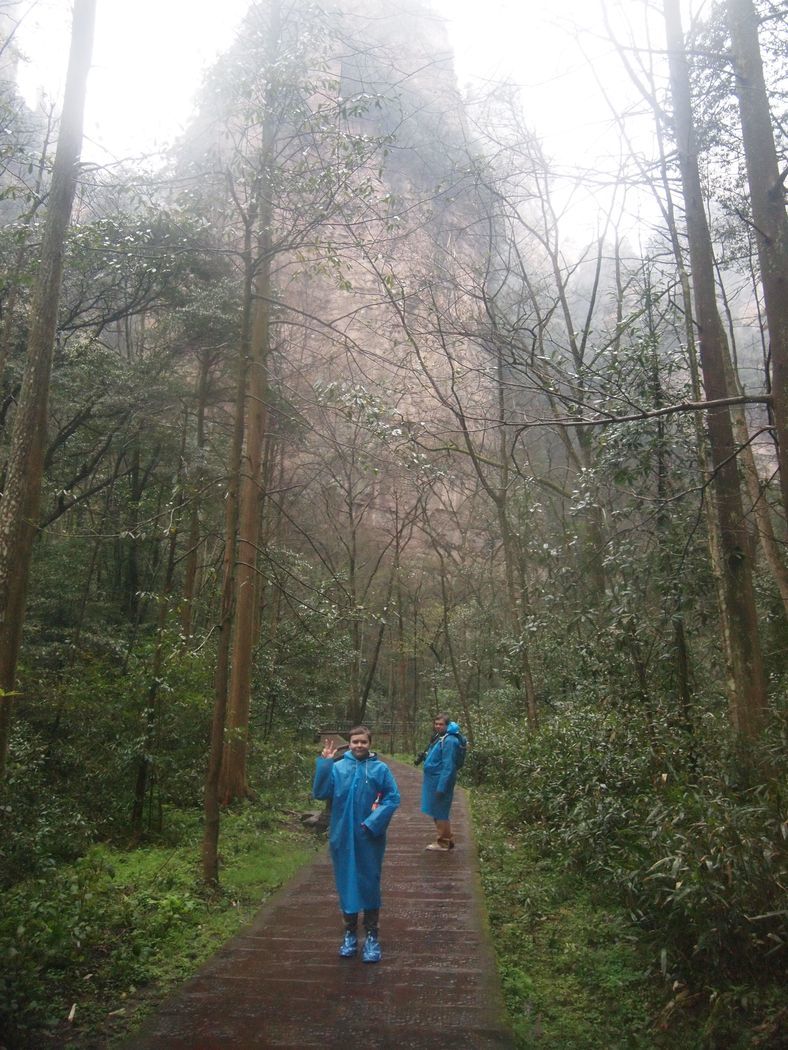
{"points": [[364, 797], [441, 765]]}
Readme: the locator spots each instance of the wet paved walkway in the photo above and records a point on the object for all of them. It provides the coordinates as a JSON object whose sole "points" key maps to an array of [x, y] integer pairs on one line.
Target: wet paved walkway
{"points": [[280, 983]]}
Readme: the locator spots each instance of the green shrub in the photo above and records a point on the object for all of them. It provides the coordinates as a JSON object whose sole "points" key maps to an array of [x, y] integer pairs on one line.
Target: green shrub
{"points": [[714, 893], [74, 753], [116, 921], [48, 928], [41, 827], [696, 850]]}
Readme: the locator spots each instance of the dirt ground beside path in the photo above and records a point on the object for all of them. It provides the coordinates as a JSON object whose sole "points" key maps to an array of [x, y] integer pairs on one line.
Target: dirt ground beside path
{"points": [[280, 982]]}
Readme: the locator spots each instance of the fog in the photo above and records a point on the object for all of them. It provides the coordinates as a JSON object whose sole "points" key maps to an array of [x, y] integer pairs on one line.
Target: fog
{"points": [[150, 56]]}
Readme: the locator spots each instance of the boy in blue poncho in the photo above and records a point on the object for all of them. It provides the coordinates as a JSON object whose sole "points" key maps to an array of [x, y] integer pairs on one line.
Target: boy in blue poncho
{"points": [[440, 774], [364, 797]]}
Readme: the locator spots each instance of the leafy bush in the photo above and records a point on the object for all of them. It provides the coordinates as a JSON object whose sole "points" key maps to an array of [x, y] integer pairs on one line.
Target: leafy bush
{"points": [[280, 763], [715, 887], [74, 753], [698, 853], [41, 827], [115, 921], [48, 928], [572, 973]]}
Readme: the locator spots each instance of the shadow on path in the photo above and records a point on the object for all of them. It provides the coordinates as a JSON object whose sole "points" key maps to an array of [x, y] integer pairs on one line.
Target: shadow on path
{"points": [[280, 982]]}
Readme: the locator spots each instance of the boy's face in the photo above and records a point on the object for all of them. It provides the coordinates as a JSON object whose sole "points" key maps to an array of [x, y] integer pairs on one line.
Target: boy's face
{"points": [[439, 725], [359, 745]]}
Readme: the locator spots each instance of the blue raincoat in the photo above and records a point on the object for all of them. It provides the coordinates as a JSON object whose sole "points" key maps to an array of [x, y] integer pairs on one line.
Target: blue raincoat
{"points": [[440, 774], [357, 833]]}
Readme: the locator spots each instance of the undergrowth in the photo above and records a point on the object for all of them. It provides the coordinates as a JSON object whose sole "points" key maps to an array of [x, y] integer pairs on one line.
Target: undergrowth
{"points": [[637, 891], [89, 949], [571, 968]]}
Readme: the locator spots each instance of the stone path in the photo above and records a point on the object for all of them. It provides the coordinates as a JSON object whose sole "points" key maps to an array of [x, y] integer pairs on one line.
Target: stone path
{"points": [[280, 982]]}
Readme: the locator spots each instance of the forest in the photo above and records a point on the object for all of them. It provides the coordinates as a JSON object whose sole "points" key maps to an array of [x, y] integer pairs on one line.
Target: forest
{"points": [[348, 414]]}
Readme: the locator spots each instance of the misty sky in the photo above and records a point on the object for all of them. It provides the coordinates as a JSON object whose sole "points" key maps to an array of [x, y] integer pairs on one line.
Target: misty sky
{"points": [[149, 57]]}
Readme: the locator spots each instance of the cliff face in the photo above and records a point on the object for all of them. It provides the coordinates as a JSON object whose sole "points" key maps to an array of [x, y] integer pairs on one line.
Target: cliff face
{"points": [[407, 51], [371, 216], [392, 61], [417, 219], [370, 137], [406, 59]]}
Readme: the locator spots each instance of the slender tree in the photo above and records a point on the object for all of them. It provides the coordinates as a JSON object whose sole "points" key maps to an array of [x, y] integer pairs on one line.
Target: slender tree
{"points": [[233, 782], [747, 678], [19, 507], [767, 197]]}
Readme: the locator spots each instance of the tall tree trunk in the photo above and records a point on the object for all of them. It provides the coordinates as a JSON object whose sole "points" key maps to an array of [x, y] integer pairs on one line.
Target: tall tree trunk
{"points": [[399, 677], [674, 585], [760, 508], [459, 684], [233, 782], [701, 436], [193, 543], [354, 613], [151, 713], [518, 604], [748, 694], [233, 779], [130, 549], [767, 195], [264, 525], [375, 655], [19, 507], [221, 679], [211, 809], [515, 575], [415, 696], [667, 206]]}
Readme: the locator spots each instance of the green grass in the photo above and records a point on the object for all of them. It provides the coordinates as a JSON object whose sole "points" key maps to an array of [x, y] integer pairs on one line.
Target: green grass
{"points": [[110, 935], [573, 973]]}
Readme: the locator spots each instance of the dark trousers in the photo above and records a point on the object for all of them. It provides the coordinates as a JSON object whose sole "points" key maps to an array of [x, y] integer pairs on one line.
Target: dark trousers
{"points": [[371, 916]]}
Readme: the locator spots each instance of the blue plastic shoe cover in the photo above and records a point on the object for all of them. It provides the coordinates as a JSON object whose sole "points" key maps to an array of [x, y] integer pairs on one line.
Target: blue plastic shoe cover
{"points": [[349, 945], [371, 953]]}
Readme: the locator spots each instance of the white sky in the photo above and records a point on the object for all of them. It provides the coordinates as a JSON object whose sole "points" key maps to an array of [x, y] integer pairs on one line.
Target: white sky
{"points": [[148, 60], [149, 56]]}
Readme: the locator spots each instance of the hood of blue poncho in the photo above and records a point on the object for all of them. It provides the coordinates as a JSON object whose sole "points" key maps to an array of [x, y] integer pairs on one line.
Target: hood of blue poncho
{"points": [[452, 727]]}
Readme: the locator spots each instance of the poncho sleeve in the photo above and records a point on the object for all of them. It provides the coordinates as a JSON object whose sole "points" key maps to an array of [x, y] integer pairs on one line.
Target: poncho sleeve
{"points": [[323, 785], [380, 818]]}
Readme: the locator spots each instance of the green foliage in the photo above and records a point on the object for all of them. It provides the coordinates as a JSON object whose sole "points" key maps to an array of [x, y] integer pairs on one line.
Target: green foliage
{"points": [[572, 972], [368, 488], [694, 847], [299, 672], [113, 930], [73, 757], [41, 827], [280, 762]]}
